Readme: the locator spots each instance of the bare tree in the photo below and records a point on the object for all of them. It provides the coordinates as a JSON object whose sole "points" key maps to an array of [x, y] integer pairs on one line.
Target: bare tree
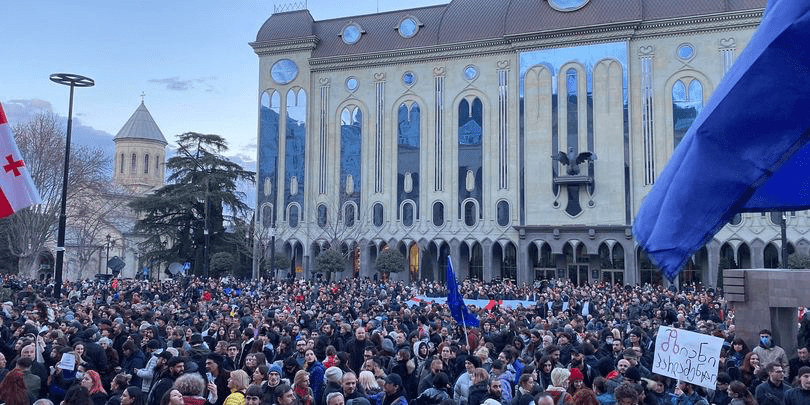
{"points": [[94, 214], [42, 144]]}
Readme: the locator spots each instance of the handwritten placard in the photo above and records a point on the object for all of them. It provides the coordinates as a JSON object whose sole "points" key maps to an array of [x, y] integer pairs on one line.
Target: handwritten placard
{"points": [[687, 356]]}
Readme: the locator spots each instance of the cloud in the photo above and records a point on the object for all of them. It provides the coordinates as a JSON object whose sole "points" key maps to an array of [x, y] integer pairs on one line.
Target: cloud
{"points": [[20, 112], [174, 83]]}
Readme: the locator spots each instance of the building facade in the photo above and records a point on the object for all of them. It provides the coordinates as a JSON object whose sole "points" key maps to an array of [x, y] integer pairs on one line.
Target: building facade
{"points": [[518, 137]]}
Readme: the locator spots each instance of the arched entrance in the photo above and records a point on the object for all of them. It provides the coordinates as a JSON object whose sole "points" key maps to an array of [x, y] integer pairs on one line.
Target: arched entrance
{"points": [[576, 258], [542, 260]]}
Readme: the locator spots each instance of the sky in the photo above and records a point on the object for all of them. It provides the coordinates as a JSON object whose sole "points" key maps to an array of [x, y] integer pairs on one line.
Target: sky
{"points": [[191, 59]]}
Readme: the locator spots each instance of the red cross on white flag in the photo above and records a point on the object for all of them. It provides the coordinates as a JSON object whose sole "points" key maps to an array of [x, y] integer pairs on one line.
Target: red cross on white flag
{"points": [[17, 189]]}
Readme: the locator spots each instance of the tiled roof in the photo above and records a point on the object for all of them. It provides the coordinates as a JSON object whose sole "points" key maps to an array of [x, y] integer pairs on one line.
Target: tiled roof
{"points": [[289, 25], [380, 33], [141, 125], [472, 20], [531, 16]]}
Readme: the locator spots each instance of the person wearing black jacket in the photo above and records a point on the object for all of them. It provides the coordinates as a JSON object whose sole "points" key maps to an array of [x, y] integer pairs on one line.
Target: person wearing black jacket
{"points": [[176, 368], [356, 346], [214, 366]]}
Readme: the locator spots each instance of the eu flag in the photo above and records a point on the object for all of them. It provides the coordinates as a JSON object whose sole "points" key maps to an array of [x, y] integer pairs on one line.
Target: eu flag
{"points": [[454, 300], [748, 150]]}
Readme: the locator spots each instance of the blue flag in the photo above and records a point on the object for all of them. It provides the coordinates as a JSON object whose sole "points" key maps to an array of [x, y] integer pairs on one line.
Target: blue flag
{"points": [[747, 151], [454, 300]]}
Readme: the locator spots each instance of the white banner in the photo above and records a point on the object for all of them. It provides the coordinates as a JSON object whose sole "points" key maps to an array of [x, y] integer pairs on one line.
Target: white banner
{"points": [[687, 356]]}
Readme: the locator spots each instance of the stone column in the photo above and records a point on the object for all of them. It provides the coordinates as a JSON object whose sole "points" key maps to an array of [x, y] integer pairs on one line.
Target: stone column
{"points": [[486, 248], [713, 262], [524, 265]]}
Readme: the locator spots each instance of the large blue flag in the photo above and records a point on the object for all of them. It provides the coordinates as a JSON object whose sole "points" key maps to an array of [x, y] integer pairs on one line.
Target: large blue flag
{"points": [[454, 300], [746, 151]]}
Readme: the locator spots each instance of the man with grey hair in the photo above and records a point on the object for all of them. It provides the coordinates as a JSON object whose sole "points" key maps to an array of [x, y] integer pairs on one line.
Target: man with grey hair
{"points": [[334, 398], [43, 401]]}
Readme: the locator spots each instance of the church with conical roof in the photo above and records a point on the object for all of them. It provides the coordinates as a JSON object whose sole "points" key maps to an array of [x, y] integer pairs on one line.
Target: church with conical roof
{"points": [[140, 152]]}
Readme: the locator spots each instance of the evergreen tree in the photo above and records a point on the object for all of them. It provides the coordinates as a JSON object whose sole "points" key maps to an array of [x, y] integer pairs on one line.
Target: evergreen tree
{"points": [[173, 218]]}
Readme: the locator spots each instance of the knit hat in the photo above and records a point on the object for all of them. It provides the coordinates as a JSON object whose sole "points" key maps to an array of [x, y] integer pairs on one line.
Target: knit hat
{"points": [[275, 368], [576, 375], [333, 374], [804, 370], [633, 373]]}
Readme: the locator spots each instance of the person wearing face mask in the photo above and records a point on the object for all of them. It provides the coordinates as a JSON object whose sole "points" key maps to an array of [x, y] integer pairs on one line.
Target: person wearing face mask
{"points": [[769, 352]]}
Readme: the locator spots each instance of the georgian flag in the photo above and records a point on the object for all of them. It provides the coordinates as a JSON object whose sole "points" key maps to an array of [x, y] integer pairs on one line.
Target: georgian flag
{"points": [[17, 189]]}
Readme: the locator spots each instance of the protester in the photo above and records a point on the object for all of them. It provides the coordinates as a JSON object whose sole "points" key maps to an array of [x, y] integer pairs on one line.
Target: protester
{"points": [[358, 325]]}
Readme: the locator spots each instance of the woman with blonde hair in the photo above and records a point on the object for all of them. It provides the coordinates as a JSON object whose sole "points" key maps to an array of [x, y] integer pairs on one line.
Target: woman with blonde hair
{"points": [[237, 383], [559, 386], [301, 388], [369, 383]]}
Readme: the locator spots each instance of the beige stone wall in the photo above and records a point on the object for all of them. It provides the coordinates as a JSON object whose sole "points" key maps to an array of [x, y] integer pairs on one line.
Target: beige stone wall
{"points": [[137, 180]]}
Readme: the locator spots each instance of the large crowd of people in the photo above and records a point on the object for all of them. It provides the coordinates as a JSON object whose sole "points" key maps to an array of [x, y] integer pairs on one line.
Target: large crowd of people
{"points": [[366, 342]]}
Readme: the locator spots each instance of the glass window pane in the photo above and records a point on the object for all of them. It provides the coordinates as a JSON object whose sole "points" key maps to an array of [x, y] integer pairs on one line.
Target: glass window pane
{"points": [[469, 213], [503, 213], [407, 214], [293, 216], [322, 216], [378, 214], [438, 213], [348, 215]]}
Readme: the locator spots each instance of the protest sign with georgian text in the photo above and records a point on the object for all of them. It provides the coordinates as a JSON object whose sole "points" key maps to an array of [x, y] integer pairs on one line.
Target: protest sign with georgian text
{"points": [[688, 356]]}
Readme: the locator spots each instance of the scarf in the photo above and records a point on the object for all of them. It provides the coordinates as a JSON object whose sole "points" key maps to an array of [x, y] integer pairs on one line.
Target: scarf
{"points": [[302, 393]]}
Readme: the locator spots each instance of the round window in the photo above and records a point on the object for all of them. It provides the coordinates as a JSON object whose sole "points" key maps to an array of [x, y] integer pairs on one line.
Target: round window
{"points": [[408, 78], [686, 51], [470, 72], [284, 71], [352, 84], [408, 27], [351, 34]]}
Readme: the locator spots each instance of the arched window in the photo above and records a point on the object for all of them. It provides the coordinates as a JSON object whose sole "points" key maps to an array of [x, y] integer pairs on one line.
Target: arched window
{"points": [[121, 164], [503, 213], [348, 215], [293, 216], [267, 215], [157, 165], [771, 257], [687, 101], [295, 146], [407, 213], [572, 121], [351, 136], [146, 164], [322, 216], [470, 214], [378, 215], [438, 213], [408, 123], [134, 163], [470, 152]]}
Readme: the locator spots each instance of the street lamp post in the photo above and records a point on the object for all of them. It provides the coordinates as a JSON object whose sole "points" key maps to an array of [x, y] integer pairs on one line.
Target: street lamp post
{"points": [[107, 263], [72, 80]]}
